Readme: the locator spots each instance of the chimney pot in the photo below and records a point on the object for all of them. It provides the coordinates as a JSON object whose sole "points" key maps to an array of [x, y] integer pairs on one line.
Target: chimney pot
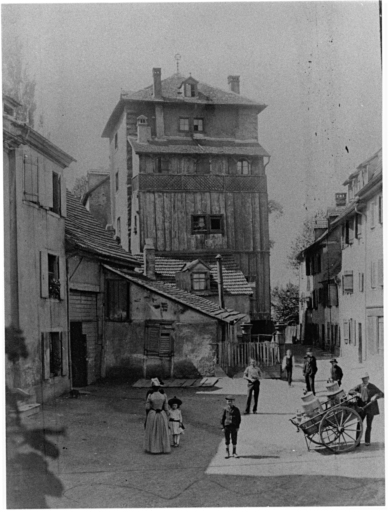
{"points": [[157, 90], [234, 83]]}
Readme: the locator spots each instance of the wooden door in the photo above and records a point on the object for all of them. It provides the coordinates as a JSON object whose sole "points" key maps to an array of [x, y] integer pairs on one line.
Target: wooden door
{"points": [[78, 348]]}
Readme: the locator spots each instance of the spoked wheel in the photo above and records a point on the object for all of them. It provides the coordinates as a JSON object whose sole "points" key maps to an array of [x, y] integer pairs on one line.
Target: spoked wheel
{"points": [[338, 429]]}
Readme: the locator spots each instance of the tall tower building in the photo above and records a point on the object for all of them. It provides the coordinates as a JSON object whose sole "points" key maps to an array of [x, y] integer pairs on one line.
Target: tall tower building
{"points": [[187, 171]]}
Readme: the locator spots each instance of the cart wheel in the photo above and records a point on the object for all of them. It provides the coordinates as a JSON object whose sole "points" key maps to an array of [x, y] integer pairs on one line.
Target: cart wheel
{"points": [[338, 429]]}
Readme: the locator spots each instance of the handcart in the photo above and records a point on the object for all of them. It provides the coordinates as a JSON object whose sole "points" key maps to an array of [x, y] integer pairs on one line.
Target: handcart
{"points": [[338, 427]]}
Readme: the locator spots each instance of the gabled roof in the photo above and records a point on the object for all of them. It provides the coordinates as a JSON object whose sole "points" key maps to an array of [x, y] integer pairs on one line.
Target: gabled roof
{"points": [[234, 282], [190, 300], [198, 146], [84, 234], [170, 86], [191, 264]]}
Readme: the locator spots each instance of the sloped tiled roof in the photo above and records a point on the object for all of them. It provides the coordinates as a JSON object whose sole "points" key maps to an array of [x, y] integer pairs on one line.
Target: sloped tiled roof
{"points": [[206, 94], [197, 147], [207, 307], [83, 232], [234, 282]]}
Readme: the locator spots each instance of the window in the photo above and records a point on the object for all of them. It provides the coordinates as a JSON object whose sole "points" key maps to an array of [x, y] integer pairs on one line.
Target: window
{"points": [[54, 360], [358, 226], [199, 224], [346, 233], [207, 224], [54, 276], [243, 167], [116, 141], [117, 300], [56, 208], [348, 282], [189, 90], [346, 331], [198, 125], [158, 341], [216, 224], [184, 124], [30, 168], [118, 227], [117, 181], [380, 214], [372, 210], [162, 164], [199, 281], [361, 282]]}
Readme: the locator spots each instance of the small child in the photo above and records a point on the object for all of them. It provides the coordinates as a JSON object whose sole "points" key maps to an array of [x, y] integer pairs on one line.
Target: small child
{"points": [[231, 420], [175, 419]]}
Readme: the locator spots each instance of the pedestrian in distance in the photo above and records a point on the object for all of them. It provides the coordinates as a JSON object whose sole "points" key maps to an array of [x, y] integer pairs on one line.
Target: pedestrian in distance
{"points": [[368, 395], [157, 427], [253, 375], [336, 373], [175, 420], [309, 371], [156, 386], [288, 364], [231, 420]]}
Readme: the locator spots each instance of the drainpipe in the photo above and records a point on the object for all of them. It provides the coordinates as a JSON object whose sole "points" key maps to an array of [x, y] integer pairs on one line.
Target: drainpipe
{"points": [[265, 165], [220, 281]]}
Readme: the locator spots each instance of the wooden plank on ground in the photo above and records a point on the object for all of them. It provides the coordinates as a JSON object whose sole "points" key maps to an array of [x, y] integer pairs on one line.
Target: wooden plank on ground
{"points": [[189, 383], [208, 382], [142, 383], [175, 383]]}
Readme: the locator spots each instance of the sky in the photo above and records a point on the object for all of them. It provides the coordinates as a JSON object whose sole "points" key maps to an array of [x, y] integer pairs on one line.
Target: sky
{"points": [[316, 65]]}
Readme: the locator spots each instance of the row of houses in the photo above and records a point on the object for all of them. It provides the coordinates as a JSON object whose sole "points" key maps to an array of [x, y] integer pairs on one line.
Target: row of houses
{"points": [[341, 272], [87, 308]]}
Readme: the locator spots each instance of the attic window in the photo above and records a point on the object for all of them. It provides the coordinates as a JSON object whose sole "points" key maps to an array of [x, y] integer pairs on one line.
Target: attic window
{"points": [[198, 125], [199, 281], [199, 224], [184, 124], [243, 167], [216, 224], [189, 90]]}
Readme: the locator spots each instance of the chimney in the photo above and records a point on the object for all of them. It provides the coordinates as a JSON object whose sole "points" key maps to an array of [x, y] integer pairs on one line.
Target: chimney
{"points": [[149, 259], [234, 83], [157, 92], [143, 129], [220, 281], [341, 199]]}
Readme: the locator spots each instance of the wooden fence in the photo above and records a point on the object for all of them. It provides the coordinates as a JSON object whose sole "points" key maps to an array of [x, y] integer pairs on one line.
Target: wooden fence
{"points": [[237, 355]]}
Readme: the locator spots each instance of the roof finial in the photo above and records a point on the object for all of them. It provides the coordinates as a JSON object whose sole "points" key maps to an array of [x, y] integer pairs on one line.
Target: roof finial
{"points": [[177, 58]]}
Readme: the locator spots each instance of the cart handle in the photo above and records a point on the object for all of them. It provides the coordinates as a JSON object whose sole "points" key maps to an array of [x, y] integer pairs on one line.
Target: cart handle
{"points": [[295, 425]]}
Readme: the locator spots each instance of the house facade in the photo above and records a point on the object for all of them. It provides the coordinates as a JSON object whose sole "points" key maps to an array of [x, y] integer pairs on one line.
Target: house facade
{"points": [[361, 298], [35, 283], [188, 172]]}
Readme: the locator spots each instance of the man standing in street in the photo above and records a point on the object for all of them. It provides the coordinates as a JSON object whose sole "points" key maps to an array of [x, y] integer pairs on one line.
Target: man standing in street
{"points": [[309, 371], [336, 373], [252, 375]]}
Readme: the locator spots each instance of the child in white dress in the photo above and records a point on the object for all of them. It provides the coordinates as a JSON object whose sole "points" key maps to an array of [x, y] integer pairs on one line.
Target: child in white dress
{"points": [[175, 420]]}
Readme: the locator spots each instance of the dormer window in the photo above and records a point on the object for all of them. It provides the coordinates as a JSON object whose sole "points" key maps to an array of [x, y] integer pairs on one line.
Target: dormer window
{"points": [[190, 88], [199, 281], [243, 167]]}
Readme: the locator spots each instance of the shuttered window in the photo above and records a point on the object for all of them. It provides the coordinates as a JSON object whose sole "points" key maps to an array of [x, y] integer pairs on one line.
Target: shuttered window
{"points": [[158, 340], [348, 281], [53, 276], [117, 300], [346, 331], [54, 355], [30, 168]]}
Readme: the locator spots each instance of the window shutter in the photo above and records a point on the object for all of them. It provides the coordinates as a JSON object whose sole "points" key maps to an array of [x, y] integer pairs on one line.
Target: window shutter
{"points": [[165, 344], [64, 359], [371, 335], [45, 337], [346, 331], [380, 272], [354, 332], [373, 275], [49, 188], [63, 283], [152, 340], [380, 209], [63, 196], [41, 184], [44, 275]]}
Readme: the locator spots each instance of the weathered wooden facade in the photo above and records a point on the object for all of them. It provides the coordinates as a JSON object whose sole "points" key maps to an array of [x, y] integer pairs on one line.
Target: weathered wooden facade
{"points": [[188, 172]]}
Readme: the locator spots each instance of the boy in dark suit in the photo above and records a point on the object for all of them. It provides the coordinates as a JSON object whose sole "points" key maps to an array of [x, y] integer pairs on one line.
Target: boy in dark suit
{"points": [[369, 395], [231, 419]]}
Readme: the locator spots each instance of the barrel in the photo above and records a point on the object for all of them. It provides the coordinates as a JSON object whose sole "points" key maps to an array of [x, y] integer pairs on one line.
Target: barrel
{"points": [[308, 397], [332, 387], [337, 397], [312, 408]]}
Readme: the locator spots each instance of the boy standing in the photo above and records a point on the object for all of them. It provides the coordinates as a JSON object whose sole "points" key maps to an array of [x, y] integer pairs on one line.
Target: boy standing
{"points": [[231, 420], [253, 375]]}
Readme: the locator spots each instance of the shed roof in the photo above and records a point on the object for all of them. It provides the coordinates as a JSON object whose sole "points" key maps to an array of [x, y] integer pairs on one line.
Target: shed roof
{"points": [[84, 233], [234, 282], [190, 300]]}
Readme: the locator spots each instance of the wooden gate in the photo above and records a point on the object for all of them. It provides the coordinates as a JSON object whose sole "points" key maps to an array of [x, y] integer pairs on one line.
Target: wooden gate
{"points": [[233, 357]]}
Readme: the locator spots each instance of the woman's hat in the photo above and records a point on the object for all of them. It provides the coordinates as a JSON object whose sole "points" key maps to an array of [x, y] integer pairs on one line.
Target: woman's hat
{"points": [[175, 400], [333, 361], [156, 382]]}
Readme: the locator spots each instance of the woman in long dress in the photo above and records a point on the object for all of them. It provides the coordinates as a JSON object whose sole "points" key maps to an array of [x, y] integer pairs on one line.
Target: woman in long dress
{"points": [[157, 426]]}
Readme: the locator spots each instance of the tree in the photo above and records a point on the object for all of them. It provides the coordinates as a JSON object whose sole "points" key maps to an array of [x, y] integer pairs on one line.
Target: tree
{"points": [[303, 239], [285, 303], [17, 82], [80, 186]]}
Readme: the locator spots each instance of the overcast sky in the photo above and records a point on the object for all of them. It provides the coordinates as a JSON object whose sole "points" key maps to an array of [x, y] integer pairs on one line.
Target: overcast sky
{"points": [[316, 65]]}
